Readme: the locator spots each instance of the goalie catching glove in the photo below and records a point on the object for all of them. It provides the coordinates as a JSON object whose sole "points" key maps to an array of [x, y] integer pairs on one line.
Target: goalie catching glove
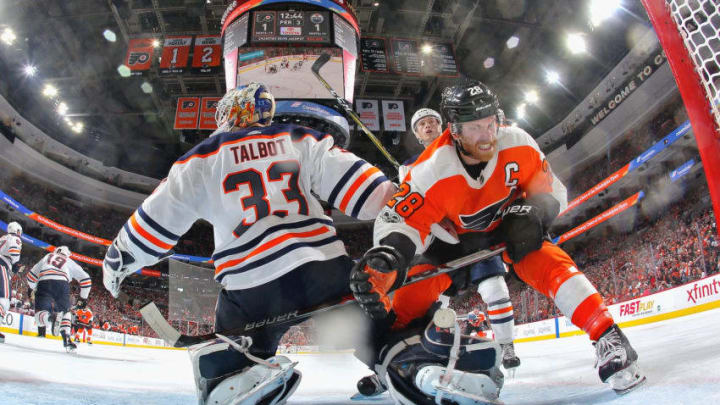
{"points": [[380, 271], [525, 223], [119, 263]]}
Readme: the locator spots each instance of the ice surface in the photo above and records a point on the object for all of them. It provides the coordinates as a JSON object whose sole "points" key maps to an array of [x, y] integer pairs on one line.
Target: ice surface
{"points": [[680, 358]]}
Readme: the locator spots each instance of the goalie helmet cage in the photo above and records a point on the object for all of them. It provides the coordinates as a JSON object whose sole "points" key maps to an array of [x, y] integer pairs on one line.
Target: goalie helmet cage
{"points": [[689, 32]]}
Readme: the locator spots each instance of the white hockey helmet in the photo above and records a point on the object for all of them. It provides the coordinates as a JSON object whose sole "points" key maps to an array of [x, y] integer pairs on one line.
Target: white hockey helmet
{"points": [[422, 113], [14, 228], [63, 251]]}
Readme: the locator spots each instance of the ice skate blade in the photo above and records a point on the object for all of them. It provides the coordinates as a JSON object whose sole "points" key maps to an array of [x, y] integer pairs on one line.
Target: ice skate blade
{"points": [[360, 397], [468, 397], [627, 380]]}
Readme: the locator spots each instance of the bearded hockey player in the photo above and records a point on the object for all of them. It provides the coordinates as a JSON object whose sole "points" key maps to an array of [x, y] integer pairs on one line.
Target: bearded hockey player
{"points": [[495, 185], [414, 301], [50, 278], [426, 125], [10, 247], [275, 250]]}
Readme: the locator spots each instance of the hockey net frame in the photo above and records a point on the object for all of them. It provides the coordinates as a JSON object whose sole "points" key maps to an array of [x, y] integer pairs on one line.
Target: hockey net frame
{"points": [[689, 32]]}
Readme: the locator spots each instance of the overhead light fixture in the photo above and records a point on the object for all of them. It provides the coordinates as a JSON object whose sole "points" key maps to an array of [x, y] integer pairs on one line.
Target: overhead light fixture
{"points": [[489, 62], [62, 108], [8, 36], [30, 70], [532, 97], [50, 91], [124, 71], [109, 35], [512, 42], [576, 43], [146, 87], [552, 77], [376, 4], [155, 43], [426, 48], [78, 127], [601, 10]]}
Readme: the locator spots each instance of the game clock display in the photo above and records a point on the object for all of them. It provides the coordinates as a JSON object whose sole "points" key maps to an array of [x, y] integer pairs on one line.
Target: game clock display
{"points": [[291, 26]]}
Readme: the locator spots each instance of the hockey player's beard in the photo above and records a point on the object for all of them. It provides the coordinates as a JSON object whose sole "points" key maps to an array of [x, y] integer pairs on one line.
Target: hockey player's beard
{"points": [[475, 152]]}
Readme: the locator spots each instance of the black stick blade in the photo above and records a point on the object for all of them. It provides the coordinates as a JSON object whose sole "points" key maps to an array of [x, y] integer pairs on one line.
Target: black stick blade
{"points": [[320, 62]]}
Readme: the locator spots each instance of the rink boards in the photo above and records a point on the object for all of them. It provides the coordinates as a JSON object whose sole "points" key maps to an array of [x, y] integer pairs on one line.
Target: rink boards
{"points": [[698, 296]]}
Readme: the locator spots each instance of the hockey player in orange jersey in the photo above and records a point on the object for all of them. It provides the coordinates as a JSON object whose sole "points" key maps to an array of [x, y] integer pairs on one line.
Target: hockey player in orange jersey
{"points": [[495, 185], [84, 329]]}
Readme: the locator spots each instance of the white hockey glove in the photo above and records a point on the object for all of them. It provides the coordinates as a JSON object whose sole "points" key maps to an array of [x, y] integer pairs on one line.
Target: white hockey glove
{"points": [[118, 263]]}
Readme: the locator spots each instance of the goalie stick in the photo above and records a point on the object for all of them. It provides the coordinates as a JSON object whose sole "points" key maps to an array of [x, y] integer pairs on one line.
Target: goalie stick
{"points": [[319, 63], [160, 325]]}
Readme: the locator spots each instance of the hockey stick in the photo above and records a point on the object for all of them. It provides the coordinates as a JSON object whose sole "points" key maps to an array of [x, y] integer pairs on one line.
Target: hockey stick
{"points": [[159, 324], [319, 63]]}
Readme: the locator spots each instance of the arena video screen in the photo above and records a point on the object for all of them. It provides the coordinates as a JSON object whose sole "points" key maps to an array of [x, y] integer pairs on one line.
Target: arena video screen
{"points": [[192, 293], [286, 71]]}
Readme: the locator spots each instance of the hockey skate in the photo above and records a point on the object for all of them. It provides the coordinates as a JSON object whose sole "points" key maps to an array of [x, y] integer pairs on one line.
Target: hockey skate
{"points": [[70, 347], [509, 359], [369, 387], [616, 361], [41, 331], [2, 338]]}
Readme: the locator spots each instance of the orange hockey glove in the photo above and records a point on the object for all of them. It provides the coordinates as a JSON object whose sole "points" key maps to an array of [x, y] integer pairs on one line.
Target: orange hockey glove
{"points": [[379, 272]]}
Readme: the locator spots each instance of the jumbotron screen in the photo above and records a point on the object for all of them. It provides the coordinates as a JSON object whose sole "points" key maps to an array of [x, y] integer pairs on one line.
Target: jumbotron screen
{"points": [[286, 71]]}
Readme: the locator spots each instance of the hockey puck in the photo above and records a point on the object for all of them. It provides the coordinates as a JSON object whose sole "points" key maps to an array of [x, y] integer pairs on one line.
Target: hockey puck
{"points": [[444, 318]]}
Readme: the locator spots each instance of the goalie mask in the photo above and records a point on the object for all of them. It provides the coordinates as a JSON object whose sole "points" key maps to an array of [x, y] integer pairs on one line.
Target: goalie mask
{"points": [[245, 106]]}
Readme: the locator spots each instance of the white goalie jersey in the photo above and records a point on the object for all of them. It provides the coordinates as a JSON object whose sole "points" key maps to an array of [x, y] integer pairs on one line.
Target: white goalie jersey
{"points": [[257, 188]]}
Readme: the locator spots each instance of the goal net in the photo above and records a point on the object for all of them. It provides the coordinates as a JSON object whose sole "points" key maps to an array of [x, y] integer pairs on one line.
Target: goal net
{"points": [[689, 31], [192, 293]]}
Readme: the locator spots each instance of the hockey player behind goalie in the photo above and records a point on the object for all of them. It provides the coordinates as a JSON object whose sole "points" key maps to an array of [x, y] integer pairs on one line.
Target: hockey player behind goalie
{"points": [[275, 250], [494, 183], [50, 278], [10, 247]]}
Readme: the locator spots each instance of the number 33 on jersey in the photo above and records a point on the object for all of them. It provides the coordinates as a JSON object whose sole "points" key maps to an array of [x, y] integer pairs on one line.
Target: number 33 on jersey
{"points": [[259, 188]]}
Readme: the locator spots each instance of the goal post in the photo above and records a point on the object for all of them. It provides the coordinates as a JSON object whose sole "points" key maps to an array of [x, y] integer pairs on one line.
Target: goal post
{"points": [[689, 32]]}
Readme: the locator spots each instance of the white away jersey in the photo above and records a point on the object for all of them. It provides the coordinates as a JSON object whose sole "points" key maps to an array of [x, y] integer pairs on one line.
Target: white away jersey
{"points": [[59, 267], [257, 188], [10, 247]]}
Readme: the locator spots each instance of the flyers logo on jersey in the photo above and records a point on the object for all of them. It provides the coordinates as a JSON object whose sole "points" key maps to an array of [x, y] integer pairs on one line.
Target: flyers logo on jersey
{"points": [[482, 219], [138, 58]]}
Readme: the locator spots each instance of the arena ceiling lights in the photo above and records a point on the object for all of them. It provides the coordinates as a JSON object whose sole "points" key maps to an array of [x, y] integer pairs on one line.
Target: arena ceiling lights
{"points": [[601, 10], [8, 36], [552, 77], [576, 43]]}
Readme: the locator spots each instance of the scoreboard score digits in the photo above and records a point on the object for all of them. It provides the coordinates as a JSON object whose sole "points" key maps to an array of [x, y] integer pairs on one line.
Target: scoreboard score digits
{"points": [[291, 26]]}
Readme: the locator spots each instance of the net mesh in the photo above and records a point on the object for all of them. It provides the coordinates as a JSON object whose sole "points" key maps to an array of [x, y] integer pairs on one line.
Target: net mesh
{"points": [[699, 24], [192, 293]]}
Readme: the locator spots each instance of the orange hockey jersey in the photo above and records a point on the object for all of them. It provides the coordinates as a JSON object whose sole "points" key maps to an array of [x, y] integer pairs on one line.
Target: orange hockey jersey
{"points": [[84, 316], [437, 186]]}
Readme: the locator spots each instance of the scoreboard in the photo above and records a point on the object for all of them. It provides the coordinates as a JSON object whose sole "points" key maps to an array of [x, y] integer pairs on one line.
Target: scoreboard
{"points": [[300, 26]]}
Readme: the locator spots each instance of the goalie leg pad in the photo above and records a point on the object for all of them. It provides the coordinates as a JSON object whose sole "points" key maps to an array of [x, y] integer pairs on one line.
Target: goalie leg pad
{"points": [[226, 376], [258, 384], [411, 365]]}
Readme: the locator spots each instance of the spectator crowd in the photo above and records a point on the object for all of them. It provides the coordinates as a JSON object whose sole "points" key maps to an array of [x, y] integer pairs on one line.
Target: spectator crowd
{"points": [[672, 248]]}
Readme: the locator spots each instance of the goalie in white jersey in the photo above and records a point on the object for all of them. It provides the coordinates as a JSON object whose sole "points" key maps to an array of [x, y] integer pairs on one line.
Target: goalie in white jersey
{"points": [[50, 278], [10, 247], [275, 250]]}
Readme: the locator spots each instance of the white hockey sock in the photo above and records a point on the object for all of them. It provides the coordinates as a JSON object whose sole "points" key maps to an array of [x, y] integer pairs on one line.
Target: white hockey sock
{"points": [[495, 293]]}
